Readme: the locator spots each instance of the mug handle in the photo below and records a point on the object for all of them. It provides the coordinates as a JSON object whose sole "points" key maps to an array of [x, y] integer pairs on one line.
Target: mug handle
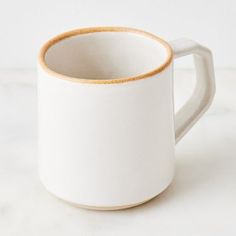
{"points": [[204, 90]]}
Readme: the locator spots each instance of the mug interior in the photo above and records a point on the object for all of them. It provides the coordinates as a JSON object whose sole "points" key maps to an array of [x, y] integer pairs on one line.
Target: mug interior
{"points": [[106, 55]]}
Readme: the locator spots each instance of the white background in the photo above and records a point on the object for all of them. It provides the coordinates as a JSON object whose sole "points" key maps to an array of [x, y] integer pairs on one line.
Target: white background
{"points": [[26, 24]]}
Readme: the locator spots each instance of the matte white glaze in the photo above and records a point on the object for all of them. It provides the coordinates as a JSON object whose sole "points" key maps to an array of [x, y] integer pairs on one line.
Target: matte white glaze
{"points": [[111, 145], [106, 145]]}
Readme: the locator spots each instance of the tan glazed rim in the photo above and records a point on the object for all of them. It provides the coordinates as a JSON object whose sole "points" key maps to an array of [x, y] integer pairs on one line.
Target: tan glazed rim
{"points": [[81, 31]]}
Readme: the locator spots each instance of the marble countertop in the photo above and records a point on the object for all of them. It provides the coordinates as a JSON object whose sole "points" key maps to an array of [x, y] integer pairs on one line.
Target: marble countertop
{"points": [[200, 201]]}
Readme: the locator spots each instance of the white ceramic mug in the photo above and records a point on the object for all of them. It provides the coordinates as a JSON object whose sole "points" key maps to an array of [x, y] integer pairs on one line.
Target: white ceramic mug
{"points": [[106, 115]]}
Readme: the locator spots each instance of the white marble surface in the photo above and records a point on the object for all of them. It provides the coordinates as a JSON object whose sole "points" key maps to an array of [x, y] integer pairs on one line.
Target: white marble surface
{"points": [[200, 201]]}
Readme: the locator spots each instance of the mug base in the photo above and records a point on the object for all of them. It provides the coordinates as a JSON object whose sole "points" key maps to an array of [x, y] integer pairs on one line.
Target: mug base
{"points": [[104, 208], [100, 208]]}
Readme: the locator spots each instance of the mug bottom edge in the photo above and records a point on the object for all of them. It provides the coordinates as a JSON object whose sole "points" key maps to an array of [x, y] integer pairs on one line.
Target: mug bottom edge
{"points": [[101, 208], [104, 208]]}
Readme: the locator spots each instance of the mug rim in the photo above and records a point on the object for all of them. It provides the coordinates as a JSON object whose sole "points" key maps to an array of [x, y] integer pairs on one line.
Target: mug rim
{"points": [[81, 31]]}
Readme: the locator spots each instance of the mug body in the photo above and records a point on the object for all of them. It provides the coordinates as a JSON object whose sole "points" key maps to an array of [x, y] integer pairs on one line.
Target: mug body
{"points": [[105, 113]]}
